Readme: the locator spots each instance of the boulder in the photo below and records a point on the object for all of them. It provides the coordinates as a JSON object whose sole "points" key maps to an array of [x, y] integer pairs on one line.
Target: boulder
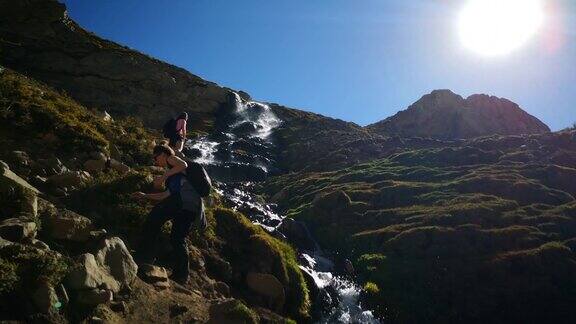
{"points": [[10, 181], [18, 229], [93, 297], [19, 159], [111, 267], [39, 244], [4, 242], [52, 166], [268, 286], [95, 166], [106, 117], [69, 179], [297, 233], [98, 156], [91, 275], [118, 260], [68, 225], [119, 166], [45, 298], [157, 276]]}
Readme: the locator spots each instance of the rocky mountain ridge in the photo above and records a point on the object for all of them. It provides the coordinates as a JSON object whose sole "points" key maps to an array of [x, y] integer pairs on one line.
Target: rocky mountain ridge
{"points": [[443, 114], [38, 39]]}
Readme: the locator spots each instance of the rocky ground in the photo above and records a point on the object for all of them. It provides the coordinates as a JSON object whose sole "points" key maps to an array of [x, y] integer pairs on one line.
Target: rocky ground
{"points": [[68, 228]]}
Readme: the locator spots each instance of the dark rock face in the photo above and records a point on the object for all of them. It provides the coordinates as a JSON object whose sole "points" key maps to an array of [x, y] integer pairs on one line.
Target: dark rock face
{"points": [[445, 115], [38, 39]]}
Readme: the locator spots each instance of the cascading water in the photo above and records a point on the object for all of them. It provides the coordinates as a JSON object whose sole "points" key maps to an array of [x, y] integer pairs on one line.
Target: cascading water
{"points": [[240, 153]]}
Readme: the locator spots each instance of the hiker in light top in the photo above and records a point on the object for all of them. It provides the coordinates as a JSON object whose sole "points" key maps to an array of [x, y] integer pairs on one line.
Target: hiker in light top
{"points": [[177, 142], [180, 203]]}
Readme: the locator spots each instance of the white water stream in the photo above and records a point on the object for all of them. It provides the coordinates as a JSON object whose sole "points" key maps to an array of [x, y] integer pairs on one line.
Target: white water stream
{"points": [[255, 122]]}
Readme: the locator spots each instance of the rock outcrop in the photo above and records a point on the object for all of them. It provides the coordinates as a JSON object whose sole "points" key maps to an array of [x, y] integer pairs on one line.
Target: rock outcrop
{"points": [[38, 38], [445, 115]]}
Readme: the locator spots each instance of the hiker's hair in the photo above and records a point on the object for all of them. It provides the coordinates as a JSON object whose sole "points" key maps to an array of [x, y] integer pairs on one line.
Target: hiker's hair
{"points": [[163, 148], [183, 116]]}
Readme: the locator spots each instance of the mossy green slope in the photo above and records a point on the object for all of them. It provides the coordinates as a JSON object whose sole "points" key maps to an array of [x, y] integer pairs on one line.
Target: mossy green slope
{"points": [[460, 234], [39, 120]]}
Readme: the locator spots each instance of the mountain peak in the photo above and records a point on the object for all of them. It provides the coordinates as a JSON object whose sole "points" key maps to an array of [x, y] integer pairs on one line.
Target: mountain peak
{"points": [[446, 115]]}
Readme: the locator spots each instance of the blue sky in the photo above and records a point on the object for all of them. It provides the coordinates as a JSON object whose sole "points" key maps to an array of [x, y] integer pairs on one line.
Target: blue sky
{"points": [[359, 61]]}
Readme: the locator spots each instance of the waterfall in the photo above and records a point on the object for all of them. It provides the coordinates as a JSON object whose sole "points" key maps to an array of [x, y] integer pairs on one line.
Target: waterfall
{"points": [[238, 154]]}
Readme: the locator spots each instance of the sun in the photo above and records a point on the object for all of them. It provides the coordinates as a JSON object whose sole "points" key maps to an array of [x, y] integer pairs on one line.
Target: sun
{"points": [[498, 27]]}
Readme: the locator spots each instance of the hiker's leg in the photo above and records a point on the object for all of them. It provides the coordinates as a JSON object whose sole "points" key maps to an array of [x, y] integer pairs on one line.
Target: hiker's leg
{"points": [[181, 225], [147, 249], [179, 145]]}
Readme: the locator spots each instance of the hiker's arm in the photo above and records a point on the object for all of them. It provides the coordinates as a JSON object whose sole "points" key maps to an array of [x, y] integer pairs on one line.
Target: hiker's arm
{"points": [[178, 166], [158, 196], [152, 196]]}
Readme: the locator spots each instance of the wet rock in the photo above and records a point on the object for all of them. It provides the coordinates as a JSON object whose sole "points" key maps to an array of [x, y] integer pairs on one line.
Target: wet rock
{"points": [[235, 172], [297, 233], [68, 225], [93, 297], [268, 286], [18, 229], [348, 267], [69, 179], [45, 298], [114, 254]]}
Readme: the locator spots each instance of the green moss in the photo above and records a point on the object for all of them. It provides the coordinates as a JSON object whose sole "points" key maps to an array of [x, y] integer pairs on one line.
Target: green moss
{"points": [[249, 248], [26, 266], [44, 119], [8, 276], [108, 203], [371, 288], [242, 313]]}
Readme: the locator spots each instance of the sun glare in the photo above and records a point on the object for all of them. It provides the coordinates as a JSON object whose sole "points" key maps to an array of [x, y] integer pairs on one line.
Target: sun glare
{"points": [[498, 27]]}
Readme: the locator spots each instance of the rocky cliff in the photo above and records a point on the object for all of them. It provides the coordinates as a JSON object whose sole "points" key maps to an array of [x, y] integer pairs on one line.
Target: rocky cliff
{"points": [[38, 39], [445, 115]]}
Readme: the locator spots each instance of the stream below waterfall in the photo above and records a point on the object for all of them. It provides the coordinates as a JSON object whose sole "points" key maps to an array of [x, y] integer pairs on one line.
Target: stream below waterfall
{"points": [[237, 155]]}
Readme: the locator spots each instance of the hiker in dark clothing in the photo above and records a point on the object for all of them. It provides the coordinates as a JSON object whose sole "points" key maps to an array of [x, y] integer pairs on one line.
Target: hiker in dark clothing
{"points": [[179, 203]]}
